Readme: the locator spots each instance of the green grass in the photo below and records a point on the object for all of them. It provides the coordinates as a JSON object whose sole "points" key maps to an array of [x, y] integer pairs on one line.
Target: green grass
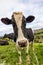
{"points": [[9, 54]]}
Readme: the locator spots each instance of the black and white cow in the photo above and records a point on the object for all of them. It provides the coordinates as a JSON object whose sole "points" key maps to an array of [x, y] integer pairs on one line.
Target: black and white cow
{"points": [[23, 36]]}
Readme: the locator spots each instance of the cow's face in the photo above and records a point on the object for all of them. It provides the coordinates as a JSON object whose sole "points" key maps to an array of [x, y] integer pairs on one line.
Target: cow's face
{"points": [[18, 19], [18, 24]]}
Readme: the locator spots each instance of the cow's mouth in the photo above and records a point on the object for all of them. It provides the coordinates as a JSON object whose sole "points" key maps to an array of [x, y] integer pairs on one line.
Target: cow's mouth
{"points": [[22, 44]]}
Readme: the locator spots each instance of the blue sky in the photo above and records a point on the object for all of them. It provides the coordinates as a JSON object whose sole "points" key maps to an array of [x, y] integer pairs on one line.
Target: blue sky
{"points": [[28, 7]]}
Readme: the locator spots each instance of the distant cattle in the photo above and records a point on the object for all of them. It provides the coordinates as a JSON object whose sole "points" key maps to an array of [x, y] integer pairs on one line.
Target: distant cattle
{"points": [[10, 36], [22, 36], [4, 42]]}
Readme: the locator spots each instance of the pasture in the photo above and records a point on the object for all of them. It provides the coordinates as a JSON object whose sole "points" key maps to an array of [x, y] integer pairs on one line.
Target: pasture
{"points": [[9, 55]]}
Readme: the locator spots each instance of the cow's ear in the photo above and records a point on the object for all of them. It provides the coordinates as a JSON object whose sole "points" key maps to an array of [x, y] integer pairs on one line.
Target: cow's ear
{"points": [[6, 21], [30, 19]]}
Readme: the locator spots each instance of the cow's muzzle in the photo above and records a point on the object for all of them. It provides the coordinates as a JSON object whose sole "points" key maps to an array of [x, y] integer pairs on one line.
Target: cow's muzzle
{"points": [[22, 43]]}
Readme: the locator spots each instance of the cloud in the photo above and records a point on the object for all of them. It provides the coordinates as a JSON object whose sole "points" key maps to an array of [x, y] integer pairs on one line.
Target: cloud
{"points": [[28, 7], [6, 30]]}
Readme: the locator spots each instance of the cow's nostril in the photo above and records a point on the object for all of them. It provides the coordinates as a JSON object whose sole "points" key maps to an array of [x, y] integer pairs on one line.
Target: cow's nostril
{"points": [[22, 43]]}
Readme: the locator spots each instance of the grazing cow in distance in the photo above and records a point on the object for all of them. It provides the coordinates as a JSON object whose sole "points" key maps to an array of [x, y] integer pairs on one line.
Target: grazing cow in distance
{"points": [[23, 36], [10, 36], [4, 42]]}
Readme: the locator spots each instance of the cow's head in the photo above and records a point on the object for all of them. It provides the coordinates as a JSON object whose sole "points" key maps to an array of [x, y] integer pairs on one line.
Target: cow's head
{"points": [[19, 22]]}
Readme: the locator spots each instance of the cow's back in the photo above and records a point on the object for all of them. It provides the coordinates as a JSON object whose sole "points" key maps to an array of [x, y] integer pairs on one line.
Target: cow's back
{"points": [[29, 34]]}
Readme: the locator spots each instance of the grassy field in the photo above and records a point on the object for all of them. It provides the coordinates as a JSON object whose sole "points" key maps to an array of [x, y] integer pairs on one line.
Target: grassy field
{"points": [[9, 55]]}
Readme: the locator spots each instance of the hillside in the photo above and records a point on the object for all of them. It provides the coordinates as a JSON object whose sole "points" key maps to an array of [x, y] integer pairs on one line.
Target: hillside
{"points": [[38, 35], [38, 31]]}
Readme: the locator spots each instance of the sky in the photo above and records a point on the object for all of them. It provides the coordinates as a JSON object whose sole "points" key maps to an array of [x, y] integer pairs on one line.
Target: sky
{"points": [[28, 7]]}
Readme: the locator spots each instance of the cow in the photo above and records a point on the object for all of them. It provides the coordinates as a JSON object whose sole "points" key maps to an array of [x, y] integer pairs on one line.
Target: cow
{"points": [[4, 42], [10, 36], [23, 36]]}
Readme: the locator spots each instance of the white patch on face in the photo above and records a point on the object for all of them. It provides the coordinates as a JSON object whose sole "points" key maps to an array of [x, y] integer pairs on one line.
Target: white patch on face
{"points": [[18, 19]]}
